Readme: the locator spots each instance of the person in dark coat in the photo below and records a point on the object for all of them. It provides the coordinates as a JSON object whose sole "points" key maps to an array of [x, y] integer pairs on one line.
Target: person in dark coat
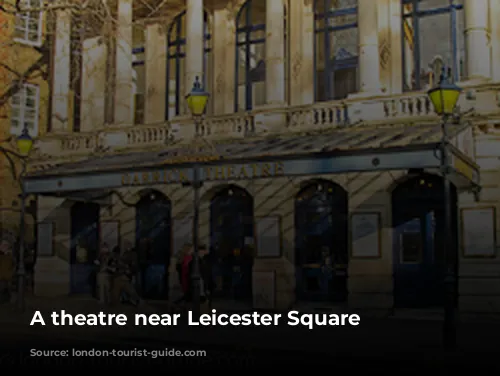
{"points": [[206, 272], [186, 273]]}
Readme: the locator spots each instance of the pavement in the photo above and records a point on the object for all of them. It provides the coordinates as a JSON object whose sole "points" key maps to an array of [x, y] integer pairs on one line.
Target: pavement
{"points": [[375, 339]]}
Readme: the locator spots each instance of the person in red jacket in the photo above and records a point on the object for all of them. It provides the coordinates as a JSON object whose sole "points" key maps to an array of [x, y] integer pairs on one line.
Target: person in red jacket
{"points": [[186, 274]]}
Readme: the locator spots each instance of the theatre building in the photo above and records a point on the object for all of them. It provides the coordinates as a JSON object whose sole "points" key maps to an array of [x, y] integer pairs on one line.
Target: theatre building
{"points": [[319, 155]]}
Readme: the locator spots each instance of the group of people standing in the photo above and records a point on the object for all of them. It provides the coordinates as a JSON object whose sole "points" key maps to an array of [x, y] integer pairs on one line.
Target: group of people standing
{"points": [[115, 276], [185, 269]]}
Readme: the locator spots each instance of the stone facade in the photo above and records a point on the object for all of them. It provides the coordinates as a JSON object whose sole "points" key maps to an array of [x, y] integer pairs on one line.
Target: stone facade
{"points": [[18, 58], [289, 107]]}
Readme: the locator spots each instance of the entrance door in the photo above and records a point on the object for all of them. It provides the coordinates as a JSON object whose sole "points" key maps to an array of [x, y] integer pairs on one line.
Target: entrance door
{"points": [[418, 240], [84, 247], [153, 214], [231, 240], [418, 270], [321, 242]]}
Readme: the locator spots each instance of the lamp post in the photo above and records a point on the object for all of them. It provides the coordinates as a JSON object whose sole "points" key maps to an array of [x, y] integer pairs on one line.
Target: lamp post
{"points": [[24, 145], [444, 97], [197, 102]]}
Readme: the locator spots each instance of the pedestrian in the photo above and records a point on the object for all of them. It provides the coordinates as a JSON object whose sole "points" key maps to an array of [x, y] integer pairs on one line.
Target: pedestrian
{"points": [[186, 274], [178, 268], [130, 256], [203, 270], [122, 284], [104, 274], [7, 268], [206, 272]]}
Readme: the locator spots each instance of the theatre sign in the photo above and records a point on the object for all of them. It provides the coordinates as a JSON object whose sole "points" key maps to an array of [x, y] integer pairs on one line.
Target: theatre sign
{"points": [[262, 159], [216, 173]]}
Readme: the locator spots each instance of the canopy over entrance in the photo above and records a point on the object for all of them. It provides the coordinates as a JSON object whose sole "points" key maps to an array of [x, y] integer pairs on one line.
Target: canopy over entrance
{"points": [[343, 150]]}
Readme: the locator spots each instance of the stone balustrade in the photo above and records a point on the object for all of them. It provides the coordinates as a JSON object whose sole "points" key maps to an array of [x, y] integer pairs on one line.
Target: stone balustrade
{"points": [[233, 125], [103, 140], [318, 116], [407, 107]]}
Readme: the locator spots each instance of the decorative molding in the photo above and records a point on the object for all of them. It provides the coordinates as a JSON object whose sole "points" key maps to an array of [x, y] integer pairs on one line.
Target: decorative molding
{"points": [[296, 66], [384, 52]]}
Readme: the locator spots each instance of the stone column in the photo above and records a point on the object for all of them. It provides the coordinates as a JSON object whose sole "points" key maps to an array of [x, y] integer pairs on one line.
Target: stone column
{"points": [[94, 60], [384, 41], [275, 52], [369, 61], [60, 86], [221, 84], [229, 65], [194, 42], [495, 36], [124, 89], [295, 52], [308, 35], [301, 53], [156, 74], [477, 45], [396, 50]]}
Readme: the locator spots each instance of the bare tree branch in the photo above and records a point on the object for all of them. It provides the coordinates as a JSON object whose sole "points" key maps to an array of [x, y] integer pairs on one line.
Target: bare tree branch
{"points": [[14, 8], [9, 69], [17, 84]]}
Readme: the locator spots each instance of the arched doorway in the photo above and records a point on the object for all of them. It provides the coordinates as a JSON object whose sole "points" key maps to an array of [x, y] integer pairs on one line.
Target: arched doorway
{"points": [[418, 240], [231, 242], [153, 242], [321, 242], [84, 247]]}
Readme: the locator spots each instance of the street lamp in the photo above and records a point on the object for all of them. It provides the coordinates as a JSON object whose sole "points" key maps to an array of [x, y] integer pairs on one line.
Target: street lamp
{"points": [[444, 97], [24, 143], [197, 101]]}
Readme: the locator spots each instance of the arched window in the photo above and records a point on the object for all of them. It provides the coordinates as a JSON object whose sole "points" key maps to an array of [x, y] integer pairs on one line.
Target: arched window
{"points": [[336, 48], [432, 29], [153, 223], [176, 53], [250, 75], [321, 241], [231, 242]]}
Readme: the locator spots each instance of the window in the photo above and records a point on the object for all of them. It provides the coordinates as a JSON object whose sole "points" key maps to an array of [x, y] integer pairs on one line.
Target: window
{"points": [[24, 110], [50, 27], [139, 79], [250, 56], [139, 73], [176, 52], [433, 34], [28, 25], [336, 49], [75, 75]]}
